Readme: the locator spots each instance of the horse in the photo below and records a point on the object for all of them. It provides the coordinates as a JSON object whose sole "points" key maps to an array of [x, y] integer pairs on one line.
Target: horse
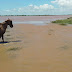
{"points": [[3, 27]]}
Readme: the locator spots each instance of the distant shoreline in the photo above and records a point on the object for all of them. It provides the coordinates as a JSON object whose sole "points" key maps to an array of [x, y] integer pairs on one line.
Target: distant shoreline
{"points": [[31, 15]]}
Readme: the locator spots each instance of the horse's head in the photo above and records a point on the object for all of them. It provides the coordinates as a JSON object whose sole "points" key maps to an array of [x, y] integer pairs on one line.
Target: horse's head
{"points": [[9, 22]]}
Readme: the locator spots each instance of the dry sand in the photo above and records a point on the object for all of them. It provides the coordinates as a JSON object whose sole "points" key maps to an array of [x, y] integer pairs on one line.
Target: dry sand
{"points": [[33, 48]]}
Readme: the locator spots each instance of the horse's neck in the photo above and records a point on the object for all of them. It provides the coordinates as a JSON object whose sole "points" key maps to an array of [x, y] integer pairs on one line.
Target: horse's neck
{"points": [[4, 24]]}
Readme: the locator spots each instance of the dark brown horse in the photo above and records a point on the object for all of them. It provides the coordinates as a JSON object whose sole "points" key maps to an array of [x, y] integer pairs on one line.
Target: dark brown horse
{"points": [[3, 27]]}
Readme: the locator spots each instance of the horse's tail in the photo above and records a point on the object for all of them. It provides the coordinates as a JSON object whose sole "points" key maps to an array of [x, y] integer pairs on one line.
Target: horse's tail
{"points": [[0, 36]]}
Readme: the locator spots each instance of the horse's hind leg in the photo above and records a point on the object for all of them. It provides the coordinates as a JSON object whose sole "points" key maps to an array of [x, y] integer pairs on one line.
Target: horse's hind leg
{"points": [[2, 38]]}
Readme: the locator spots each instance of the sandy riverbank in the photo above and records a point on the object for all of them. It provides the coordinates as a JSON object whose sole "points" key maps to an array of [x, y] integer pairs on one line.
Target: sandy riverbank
{"points": [[31, 48]]}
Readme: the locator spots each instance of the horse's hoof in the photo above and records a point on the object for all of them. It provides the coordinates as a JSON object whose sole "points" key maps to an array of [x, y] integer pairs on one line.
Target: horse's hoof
{"points": [[3, 41]]}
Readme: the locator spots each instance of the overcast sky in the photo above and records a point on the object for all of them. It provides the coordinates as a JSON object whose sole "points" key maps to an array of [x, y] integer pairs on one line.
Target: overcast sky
{"points": [[35, 7]]}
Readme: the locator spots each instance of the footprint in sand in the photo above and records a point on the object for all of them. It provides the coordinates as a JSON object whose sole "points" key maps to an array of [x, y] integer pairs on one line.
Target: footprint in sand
{"points": [[50, 31]]}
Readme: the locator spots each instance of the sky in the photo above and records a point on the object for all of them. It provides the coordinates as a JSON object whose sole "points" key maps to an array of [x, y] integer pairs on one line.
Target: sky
{"points": [[35, 7]]}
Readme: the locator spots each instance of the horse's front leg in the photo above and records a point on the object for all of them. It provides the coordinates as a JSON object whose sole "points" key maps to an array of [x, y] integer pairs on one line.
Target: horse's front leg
{"points": [[2, 38]]}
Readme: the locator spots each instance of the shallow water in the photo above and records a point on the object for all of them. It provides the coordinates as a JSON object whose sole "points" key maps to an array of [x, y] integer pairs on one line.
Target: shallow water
{"points": [[33, 22]]}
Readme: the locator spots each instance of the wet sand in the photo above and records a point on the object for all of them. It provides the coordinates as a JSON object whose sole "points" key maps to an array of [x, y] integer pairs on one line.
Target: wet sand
{"points": [[31, 48]]}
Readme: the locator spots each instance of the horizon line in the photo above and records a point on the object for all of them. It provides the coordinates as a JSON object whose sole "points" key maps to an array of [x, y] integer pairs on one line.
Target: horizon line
{"points": [[33, 15]]}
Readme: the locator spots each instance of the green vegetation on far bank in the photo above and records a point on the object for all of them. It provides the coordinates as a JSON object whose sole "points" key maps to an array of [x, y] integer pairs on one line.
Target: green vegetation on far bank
{"points": [[27, 15], [63, 22]]}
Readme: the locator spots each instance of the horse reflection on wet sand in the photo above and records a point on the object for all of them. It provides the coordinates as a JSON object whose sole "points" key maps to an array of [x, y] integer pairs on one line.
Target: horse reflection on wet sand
{"points": [[3, 27]]}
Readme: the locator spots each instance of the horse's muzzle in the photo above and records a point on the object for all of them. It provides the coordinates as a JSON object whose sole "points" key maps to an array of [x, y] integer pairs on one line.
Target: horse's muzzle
{"points": [[11, 26]]}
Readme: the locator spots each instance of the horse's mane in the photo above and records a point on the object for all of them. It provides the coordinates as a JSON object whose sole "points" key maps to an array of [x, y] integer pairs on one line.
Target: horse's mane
{"points": [[5, 21], [2, 23]]}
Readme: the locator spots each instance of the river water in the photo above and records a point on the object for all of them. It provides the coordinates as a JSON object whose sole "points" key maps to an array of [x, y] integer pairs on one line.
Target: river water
{"points": [[36, 20]]}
